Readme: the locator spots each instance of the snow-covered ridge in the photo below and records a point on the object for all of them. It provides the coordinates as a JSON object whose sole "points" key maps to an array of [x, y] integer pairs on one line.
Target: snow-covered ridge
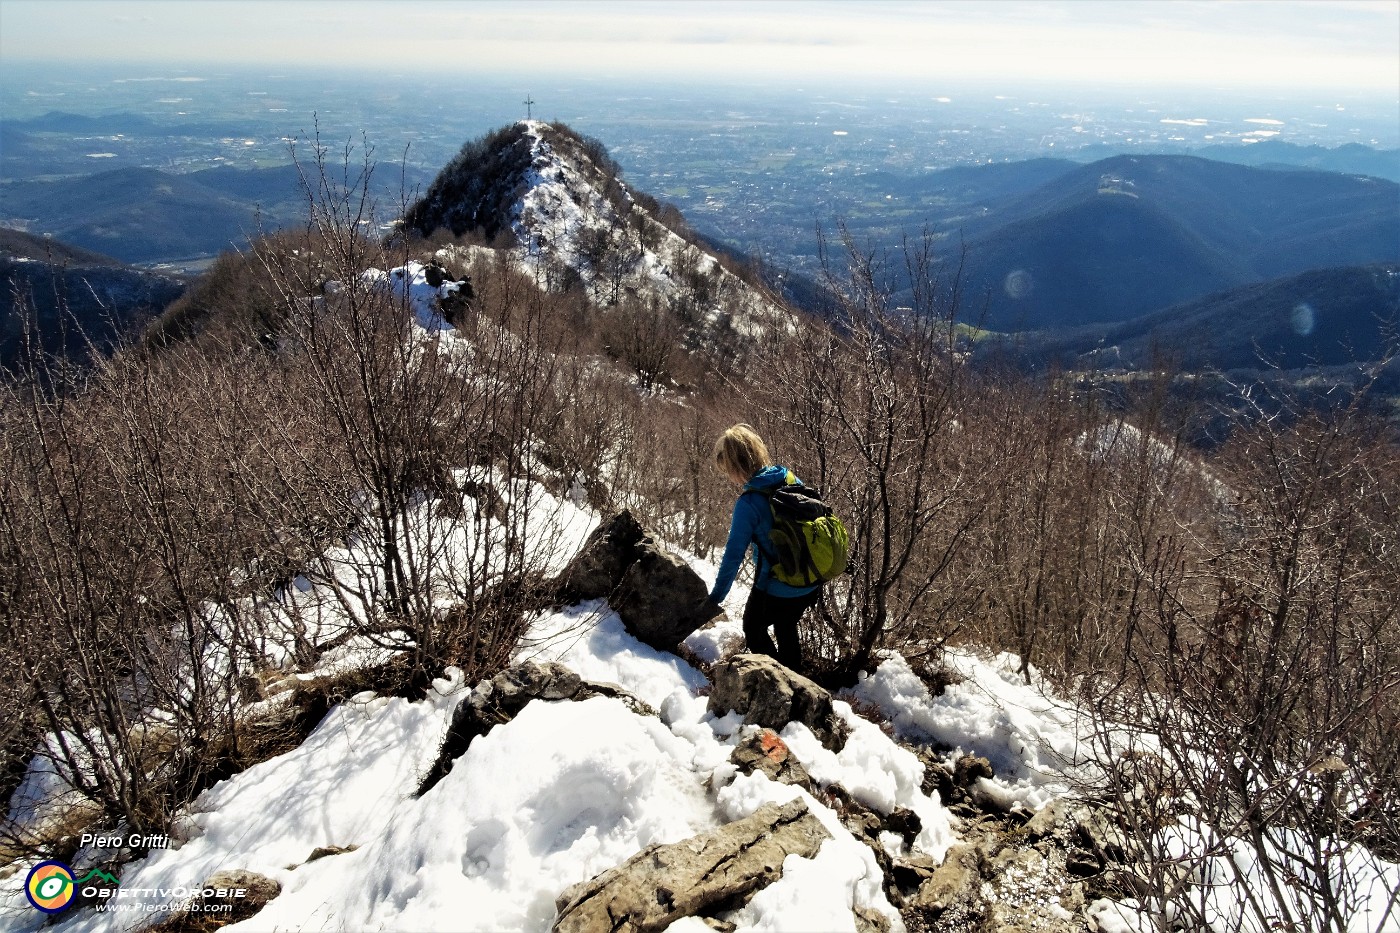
{"points": [[563, 207], [555, 202]]}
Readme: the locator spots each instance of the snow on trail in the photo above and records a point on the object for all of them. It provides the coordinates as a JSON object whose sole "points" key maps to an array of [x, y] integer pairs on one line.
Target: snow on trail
{"points": [[569, 789], [1027, 735], [565, 791], [561, 793]]}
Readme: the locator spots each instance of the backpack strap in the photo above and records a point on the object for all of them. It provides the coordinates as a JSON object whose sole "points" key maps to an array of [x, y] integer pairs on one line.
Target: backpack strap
{"points": [[806, 564], [790, 481]]}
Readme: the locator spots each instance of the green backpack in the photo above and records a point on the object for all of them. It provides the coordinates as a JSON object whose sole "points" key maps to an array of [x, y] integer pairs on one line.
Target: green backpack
{"points": [[809, 541]]}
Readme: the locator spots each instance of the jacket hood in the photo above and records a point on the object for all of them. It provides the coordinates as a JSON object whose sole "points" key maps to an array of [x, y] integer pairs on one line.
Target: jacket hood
{"points": [[770, 477]]}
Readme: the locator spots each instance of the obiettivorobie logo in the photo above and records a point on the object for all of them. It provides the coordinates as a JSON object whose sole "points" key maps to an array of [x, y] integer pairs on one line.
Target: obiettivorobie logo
{"points": [[51, 886]]}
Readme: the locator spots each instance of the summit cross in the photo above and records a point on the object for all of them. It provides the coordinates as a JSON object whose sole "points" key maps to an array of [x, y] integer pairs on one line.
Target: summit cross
{"points": [[529, 103]]}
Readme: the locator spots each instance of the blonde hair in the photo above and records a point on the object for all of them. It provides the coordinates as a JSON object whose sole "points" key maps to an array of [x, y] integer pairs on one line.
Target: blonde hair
{"points": [[740, 452]]}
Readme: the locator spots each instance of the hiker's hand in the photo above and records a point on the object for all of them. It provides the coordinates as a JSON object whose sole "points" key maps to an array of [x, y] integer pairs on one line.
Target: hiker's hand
{"points": [[707, 609]]}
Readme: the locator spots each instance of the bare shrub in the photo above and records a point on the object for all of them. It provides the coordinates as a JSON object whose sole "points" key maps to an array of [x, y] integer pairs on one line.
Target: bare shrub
{"points": [[646, 337], [1270, 702], [129, 524], [873, 406]]}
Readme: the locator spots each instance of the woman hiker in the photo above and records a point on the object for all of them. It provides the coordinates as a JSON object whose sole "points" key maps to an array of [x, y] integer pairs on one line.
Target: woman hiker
{"points": [[741, 455]]}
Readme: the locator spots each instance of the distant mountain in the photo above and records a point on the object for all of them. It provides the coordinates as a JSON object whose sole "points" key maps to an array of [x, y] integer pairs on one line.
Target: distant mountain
{"points": [[71, 296], [253, 186], [124, 123], [1349, 159], [1353, 158], [16, 244], [134, 214], [1129, 235], [146, 215], [1324, 317], [968, 186], [997, 180]]}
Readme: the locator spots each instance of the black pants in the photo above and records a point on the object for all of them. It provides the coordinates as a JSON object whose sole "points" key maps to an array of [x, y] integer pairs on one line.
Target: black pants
{"points": [[782, 614]]}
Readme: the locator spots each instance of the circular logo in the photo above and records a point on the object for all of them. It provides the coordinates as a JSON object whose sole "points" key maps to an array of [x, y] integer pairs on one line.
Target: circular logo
{"points": [[50, 887]]}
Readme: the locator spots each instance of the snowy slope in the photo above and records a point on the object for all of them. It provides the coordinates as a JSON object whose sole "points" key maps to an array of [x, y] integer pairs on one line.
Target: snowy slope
{"points": [[571, 217], [554, 797], [569, 789], [559, 205]]}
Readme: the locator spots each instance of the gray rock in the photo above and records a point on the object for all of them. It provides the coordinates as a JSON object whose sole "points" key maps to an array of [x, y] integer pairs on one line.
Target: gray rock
{"points": [[909, 872], [596, 572], [1048, 819], [226, 897], [864, 822], [954, 882], [705, 874], [659, 598], [765, 751], [969, 768], [768, 694], [905, 823], [1082, 864], [938, 779], [869, 920], [1097, 833], [500, 699], [321, 852]]}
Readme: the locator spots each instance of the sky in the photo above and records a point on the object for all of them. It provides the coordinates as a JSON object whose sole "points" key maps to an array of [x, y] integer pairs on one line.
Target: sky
{"points": [[1247, 44]]}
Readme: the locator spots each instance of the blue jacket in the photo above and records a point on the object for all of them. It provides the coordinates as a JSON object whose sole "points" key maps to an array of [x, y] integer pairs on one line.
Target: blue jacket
{"points": [[749, 528]]}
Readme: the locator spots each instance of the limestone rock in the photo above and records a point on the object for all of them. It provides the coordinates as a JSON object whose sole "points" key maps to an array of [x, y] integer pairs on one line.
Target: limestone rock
{"points": [[321, 852], [766, 693], [597, 570], [909, 872], [956, 881], [869, 920], [659, 598], [969, 768], [500, 699], [226, 897], [705, 874], [1048, 819], [938, 779], [1102, 837], [765, 751]]}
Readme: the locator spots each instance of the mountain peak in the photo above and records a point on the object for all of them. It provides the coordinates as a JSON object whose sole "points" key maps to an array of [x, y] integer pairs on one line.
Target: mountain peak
{"points": [[555, 199]]}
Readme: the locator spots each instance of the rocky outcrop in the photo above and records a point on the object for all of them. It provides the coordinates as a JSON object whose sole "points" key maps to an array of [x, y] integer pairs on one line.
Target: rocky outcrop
{"points": [[659, 598], [1008, 873], [226, 897], [957, 786], [765, 751], [321, 852], [500, 699], [703, 875], [871, 828], [955, 882], [768, 694]]}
